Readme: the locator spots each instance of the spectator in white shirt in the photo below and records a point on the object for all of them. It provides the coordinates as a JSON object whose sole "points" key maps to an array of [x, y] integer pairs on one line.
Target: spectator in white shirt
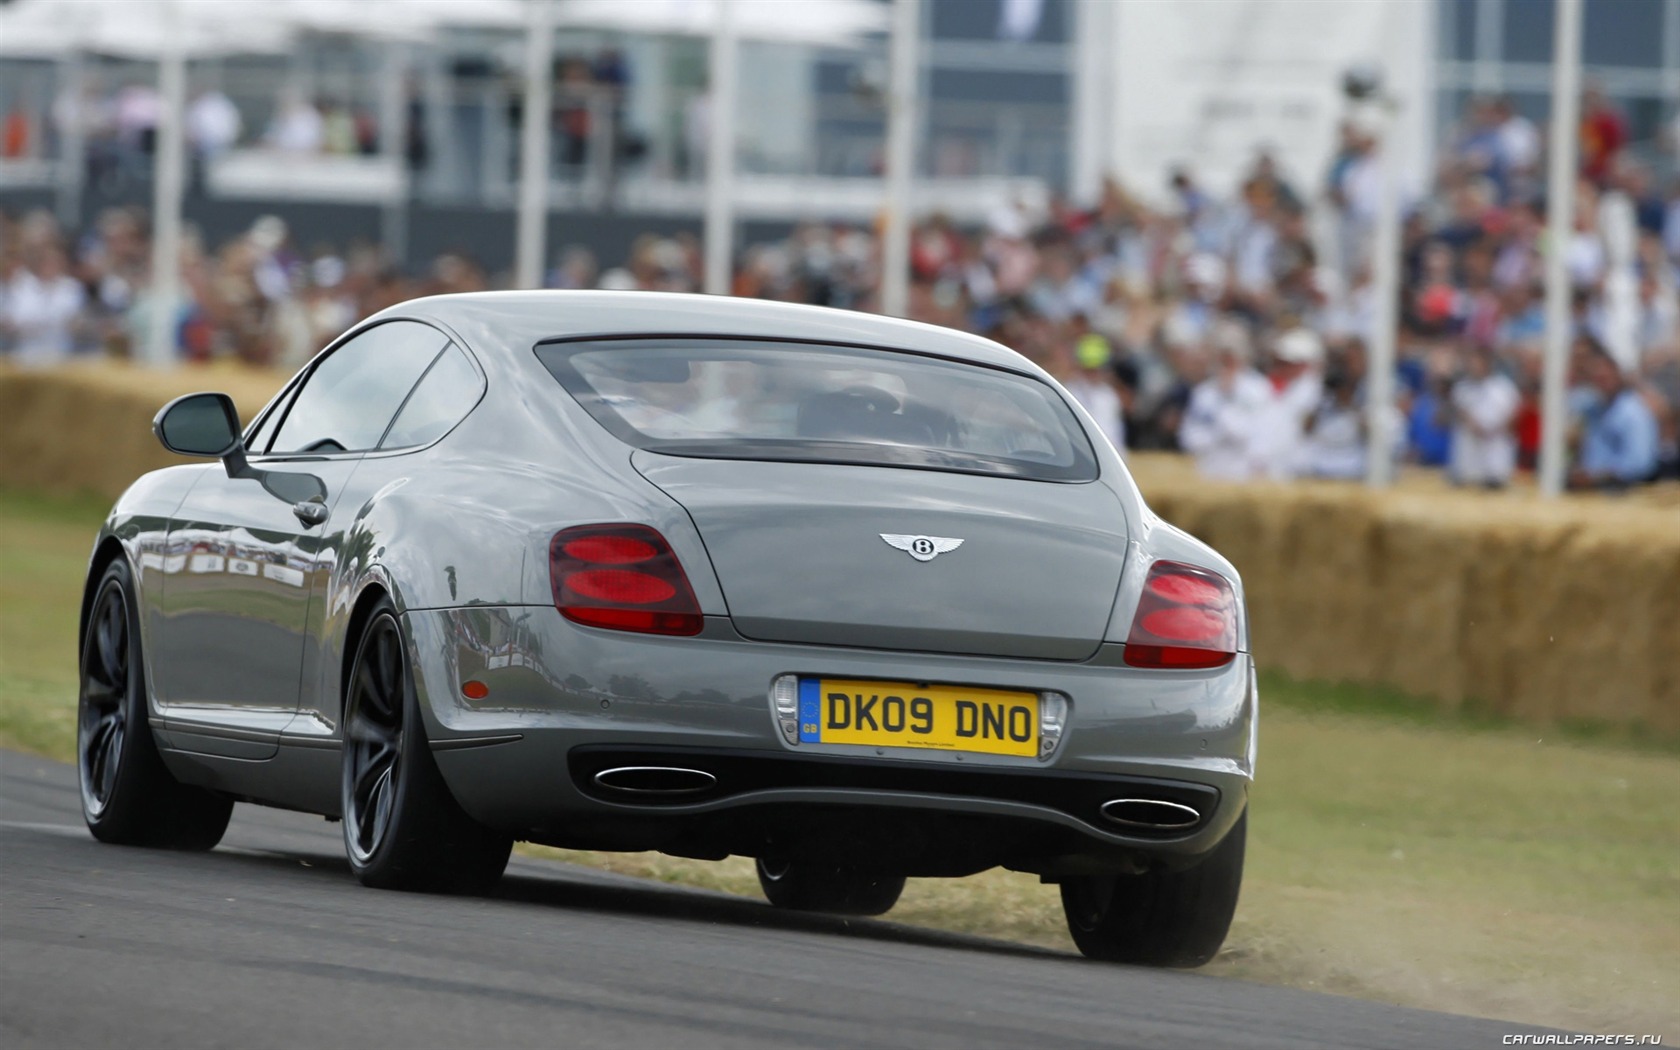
{"points": [[1519, 140], [42, 303], [1484, 408], [213, 124], [298, 127], [1224, 410], [1296, 390]]}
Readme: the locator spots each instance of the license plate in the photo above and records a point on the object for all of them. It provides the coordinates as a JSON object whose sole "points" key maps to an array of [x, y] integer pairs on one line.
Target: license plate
{"points": [[899, 714]]}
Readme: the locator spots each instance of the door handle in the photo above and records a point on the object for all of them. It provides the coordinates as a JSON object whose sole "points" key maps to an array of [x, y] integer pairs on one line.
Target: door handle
{"points": [[310, 512]]}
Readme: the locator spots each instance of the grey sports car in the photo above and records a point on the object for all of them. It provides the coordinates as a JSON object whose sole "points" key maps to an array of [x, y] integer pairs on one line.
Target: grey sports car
{"points": [[859, 598]]}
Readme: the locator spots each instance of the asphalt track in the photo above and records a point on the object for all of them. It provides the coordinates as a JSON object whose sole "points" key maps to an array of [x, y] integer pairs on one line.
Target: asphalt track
{"points": [[268, 941]]}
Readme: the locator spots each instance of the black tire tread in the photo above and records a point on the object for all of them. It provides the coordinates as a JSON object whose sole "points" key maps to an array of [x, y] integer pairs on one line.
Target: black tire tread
{"points": [[1162, 917], [433, 846]]}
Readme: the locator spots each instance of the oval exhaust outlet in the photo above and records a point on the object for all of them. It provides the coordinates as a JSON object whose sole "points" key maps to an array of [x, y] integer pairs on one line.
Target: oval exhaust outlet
{"points": [[655, 780], [1152, 813]]}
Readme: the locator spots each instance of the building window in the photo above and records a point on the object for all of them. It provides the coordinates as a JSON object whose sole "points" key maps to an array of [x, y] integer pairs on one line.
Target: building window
{"points": [[1528, 29], [1623, 33]]}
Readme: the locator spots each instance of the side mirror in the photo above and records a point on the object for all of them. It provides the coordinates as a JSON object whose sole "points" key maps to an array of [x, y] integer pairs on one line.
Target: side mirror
{"points": [[199, 425]]}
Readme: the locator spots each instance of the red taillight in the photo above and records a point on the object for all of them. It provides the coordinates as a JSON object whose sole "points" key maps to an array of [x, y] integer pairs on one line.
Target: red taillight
{"points": [[1187, 618], [623, 578], [609, 549]]}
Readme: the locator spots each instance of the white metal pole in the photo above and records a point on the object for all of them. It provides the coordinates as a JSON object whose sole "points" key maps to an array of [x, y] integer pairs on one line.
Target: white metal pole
{"points": [[1091, 54], [719, 233], [1561, 175], [901, 156], [72, 141], [1385, 284], [168, 163], [530, 249], [393, 218]]}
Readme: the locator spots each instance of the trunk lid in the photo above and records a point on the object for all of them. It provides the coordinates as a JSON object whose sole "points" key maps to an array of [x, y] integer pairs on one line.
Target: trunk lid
{"points": [[799, 553]]}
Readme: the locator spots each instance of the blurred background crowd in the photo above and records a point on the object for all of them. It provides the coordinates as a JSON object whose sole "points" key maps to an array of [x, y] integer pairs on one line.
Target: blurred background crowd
{"points": [[1232, 326]]}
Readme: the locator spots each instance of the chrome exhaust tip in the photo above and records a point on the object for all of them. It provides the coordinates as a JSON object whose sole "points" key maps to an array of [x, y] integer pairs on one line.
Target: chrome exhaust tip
{"points": [[1151, 813], [655, 780]]}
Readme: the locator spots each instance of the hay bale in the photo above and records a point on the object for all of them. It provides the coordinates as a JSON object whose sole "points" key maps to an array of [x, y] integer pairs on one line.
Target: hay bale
{"points": [[1543, 611], [87, 428]]}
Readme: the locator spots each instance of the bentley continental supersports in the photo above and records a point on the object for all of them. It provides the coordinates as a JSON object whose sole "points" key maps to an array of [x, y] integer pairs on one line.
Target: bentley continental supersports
{"points": [[859, 598]]}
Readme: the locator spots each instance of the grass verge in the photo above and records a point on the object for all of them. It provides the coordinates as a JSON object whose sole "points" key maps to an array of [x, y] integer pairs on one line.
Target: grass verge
{"points": [[1455, 862]]}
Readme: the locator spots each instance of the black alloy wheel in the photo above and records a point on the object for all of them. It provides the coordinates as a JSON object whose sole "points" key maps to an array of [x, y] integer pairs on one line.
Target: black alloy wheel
{"points": [[373, 740], [402, 828], [128, 795], [103, 718]]}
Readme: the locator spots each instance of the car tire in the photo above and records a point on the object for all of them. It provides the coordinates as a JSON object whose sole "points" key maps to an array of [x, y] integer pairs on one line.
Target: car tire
{"points": [[798, 885], [128, 796], [1159, 918], [403, 830]]}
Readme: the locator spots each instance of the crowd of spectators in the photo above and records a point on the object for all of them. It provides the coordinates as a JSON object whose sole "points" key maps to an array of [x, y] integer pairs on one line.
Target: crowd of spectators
{"points": [[257, 297], [1236, 330]]}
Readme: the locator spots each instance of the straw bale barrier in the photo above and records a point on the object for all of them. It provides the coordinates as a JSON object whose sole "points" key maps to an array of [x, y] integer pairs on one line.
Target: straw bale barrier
{"points": [[87, 428], [1544, 612]]}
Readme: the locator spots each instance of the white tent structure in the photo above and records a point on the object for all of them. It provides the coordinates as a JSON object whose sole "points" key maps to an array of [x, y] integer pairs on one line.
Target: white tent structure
{"points": [[837, 23], [413, 20], [826, 23]]}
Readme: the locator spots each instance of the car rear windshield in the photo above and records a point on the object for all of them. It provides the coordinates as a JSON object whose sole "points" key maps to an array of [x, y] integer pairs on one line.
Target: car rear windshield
{"points": [[807, 403]]}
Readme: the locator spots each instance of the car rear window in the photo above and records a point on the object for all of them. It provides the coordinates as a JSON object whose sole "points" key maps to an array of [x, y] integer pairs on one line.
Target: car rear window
{"points": [[810, 403]]}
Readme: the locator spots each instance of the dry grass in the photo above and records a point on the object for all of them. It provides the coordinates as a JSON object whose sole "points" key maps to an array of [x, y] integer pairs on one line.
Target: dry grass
{"points": [[44, 548], [1395, 853]]}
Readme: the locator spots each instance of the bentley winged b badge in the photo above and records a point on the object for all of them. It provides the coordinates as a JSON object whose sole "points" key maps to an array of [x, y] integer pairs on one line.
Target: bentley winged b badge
{"points": [[922, 548]]}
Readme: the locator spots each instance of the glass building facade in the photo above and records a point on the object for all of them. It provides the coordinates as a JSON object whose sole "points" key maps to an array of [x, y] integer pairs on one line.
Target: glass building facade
{"points": [[1629, 47]]}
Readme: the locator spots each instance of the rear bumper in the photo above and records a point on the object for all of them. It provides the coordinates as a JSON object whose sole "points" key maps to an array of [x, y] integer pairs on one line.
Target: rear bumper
{"points": [[566, 702]]}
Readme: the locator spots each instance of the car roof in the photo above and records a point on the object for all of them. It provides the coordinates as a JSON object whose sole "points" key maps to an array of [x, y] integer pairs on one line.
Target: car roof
{"points": [[519, 320]]}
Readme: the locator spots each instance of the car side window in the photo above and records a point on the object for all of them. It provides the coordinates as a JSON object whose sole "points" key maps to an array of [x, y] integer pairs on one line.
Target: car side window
{"points": [[348, 400], [443, 398]]}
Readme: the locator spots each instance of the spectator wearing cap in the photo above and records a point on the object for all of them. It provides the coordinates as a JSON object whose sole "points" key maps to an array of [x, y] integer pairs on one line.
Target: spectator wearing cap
{"points": [[1222, 417], [1484, 411], [1092, 385], [1619, 444], [1296, 389]]}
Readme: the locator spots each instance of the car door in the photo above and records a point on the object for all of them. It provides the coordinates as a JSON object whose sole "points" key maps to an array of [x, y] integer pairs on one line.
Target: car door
{"points": [[227, 658], [450, 389]]}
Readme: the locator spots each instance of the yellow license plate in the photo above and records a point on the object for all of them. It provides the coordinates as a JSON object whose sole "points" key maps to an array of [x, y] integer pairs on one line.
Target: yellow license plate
{"points": [[899, 714]]}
